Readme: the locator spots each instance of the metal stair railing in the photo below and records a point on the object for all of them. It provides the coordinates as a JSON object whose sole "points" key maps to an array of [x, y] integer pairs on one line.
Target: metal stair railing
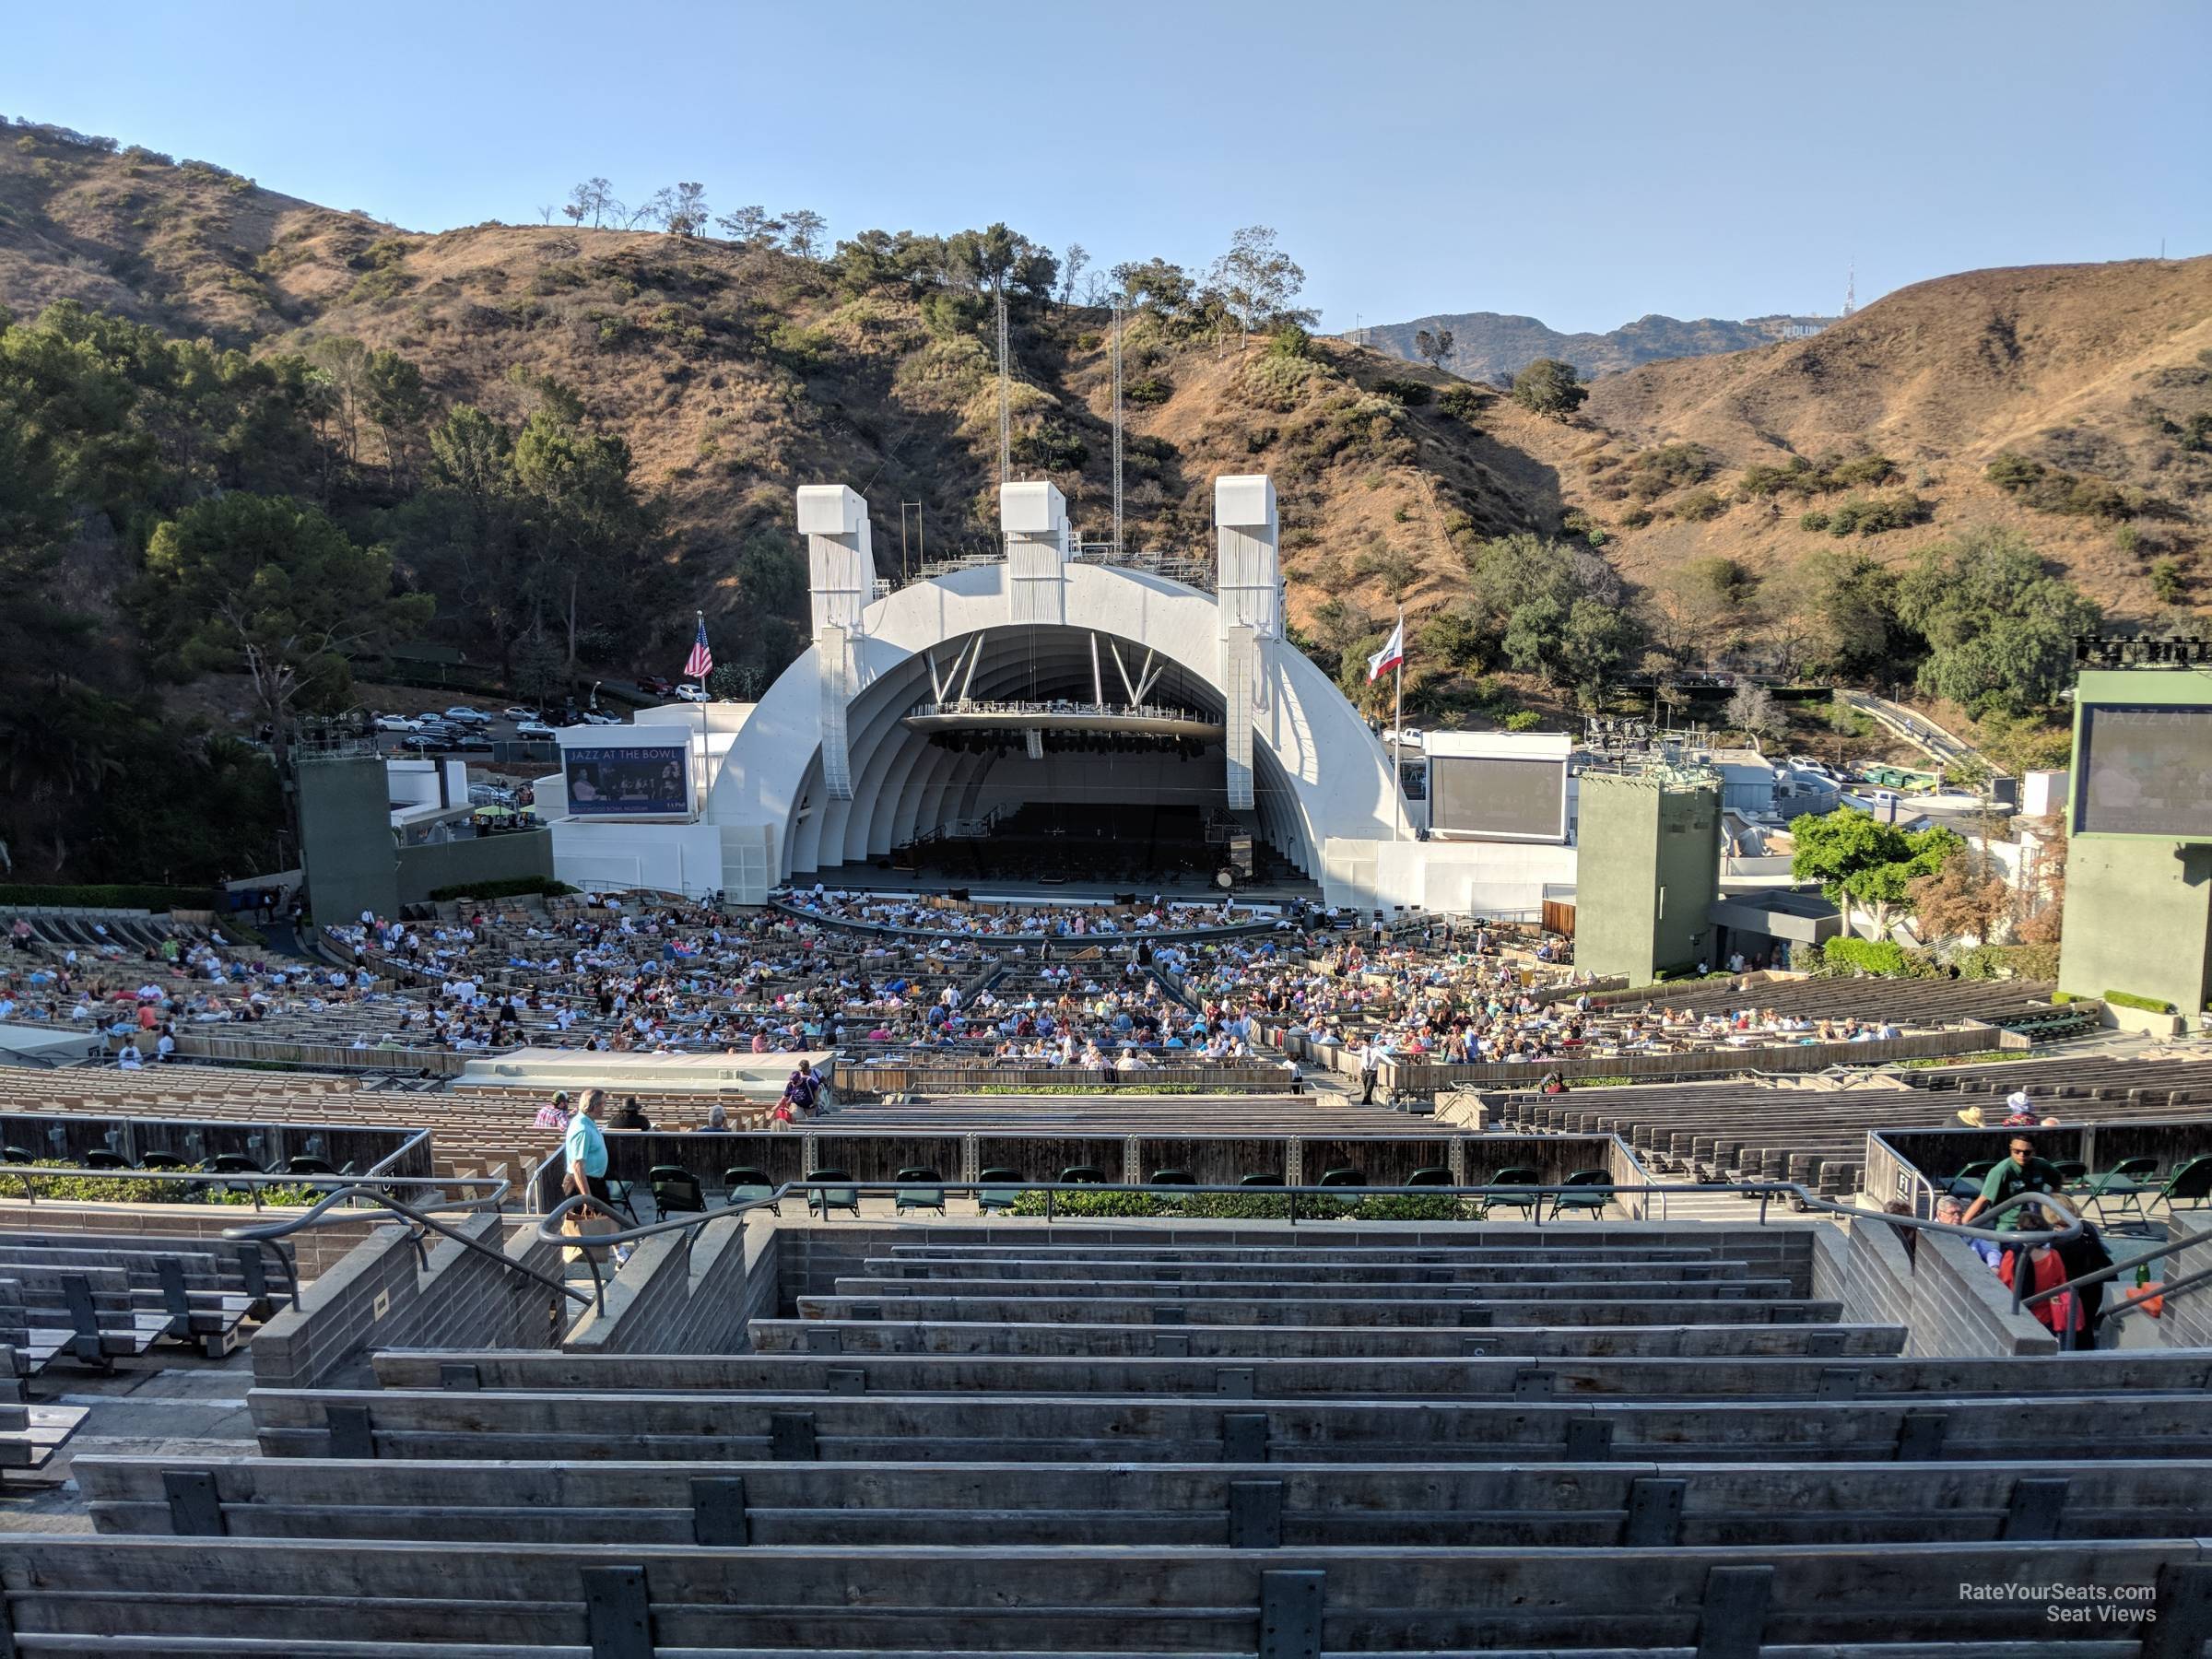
{"points": [[321, 1215]]}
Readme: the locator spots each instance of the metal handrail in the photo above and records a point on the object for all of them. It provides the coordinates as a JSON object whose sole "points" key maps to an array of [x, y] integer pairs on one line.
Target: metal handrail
{"points": [[318, 1217]]}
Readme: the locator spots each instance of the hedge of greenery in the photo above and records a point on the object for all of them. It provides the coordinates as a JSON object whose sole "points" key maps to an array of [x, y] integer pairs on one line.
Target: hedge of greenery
{"points": [[98, 1189], [513, 886], [1070, 1089], [1882, 957], [107, 897], [1248, 1206], [1979, 1057], [2148, 1004]]}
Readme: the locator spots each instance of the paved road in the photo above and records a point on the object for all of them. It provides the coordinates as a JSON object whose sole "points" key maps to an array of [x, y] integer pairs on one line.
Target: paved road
{"points": [[1918, 731]]}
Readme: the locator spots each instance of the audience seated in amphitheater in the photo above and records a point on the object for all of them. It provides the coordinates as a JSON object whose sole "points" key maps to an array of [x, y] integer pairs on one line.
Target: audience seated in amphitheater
{"points": [[917, 913]]}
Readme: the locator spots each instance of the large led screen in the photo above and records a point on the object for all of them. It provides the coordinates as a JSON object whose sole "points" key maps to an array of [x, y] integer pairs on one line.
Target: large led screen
{"points": [[629, 782], [2145, 771], [1525, 799]]}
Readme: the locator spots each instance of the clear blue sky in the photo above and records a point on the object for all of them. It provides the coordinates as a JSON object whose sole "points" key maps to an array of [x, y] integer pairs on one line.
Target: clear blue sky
{"points": [[1584, 163]]}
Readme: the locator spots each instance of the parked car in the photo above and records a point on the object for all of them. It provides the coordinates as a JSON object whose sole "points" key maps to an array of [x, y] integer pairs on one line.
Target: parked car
{"points": [[594, 717], [659, 685], [468, 716], [531, 728], [689, 693], [427, 741], [519, 712], [397, 722]]}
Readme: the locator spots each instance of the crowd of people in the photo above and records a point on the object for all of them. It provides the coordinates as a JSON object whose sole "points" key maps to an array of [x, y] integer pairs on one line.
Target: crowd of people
{"points": [[142, 996], [910, 913]]}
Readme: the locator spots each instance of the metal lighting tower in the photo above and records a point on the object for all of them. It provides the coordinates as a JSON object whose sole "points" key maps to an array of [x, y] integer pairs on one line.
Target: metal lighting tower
{"points": [[1005, 418], [1117, 425], [1851, 288]]}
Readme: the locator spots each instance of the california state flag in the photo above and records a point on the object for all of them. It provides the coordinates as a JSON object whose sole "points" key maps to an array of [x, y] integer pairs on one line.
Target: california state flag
{"points": [[1390, 656]]}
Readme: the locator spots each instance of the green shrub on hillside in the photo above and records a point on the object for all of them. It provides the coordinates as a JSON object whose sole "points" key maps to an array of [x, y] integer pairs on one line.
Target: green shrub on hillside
{"points": [[1461, 402], [2053, 489], [1411, 393], [1652, 473], [1871, 516], [1800, 477]]}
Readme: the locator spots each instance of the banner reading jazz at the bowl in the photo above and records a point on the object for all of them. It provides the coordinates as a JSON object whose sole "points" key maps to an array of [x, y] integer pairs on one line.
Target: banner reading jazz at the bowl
{"points": [[633, 781]]}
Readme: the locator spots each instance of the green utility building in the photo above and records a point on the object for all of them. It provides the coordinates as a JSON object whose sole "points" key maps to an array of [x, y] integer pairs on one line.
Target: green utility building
{"points": [[2138, 914], [345, 835], [1647, 870]]}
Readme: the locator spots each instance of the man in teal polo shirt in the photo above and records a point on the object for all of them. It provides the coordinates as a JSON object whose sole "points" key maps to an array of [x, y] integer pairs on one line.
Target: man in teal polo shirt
{"points": [[586, 1149]]}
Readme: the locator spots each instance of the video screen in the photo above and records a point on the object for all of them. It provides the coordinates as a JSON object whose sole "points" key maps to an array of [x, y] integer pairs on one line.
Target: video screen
{"points": [[2145, 771], [1522, 798], [615, 782]]}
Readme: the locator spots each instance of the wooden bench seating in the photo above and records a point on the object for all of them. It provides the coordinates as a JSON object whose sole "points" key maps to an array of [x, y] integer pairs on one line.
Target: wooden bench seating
{"points": [[1144, 1339], [352, 1600], [1166, 1429], [1549, 1506], [1634, 1377], [31, 1435]]}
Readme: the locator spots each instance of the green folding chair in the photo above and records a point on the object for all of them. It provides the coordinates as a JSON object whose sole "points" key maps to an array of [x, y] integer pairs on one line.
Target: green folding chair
{"points": [[2123, 1185], [1966, 1186], [835, 1195], [919, 1189], [2189, 1187], [1000, 1192], [749, 1185], [1525, 1203], [675, 1191], [1594, 1198]]}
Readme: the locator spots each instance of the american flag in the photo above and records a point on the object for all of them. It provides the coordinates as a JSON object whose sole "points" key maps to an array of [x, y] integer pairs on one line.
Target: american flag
{"points": [[700, 662]]}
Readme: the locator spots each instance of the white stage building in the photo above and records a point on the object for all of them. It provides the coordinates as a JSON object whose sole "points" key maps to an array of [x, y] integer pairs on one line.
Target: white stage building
{"points": [[846, 758]]}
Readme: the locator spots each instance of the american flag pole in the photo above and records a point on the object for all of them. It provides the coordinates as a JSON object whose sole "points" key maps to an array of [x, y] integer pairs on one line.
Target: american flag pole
{"points": [[700, 662]]}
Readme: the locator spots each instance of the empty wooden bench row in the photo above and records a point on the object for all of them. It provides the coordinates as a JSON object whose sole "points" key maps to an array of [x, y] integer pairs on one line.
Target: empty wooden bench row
{"points": [[1147, 1339], [978, 1427], [96, 1307], [353, 1600], [1213, 1506], [1272, 1378], [1472, 1307]]}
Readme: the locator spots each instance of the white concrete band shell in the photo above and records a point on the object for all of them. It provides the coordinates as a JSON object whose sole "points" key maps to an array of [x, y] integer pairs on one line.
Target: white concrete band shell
{"points": [[828, 769]]}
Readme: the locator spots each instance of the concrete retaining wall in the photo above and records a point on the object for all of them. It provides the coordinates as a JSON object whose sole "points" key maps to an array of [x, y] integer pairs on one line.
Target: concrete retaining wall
{"points": [[688, 1292], [382, 1295], [1949, 1300]]}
